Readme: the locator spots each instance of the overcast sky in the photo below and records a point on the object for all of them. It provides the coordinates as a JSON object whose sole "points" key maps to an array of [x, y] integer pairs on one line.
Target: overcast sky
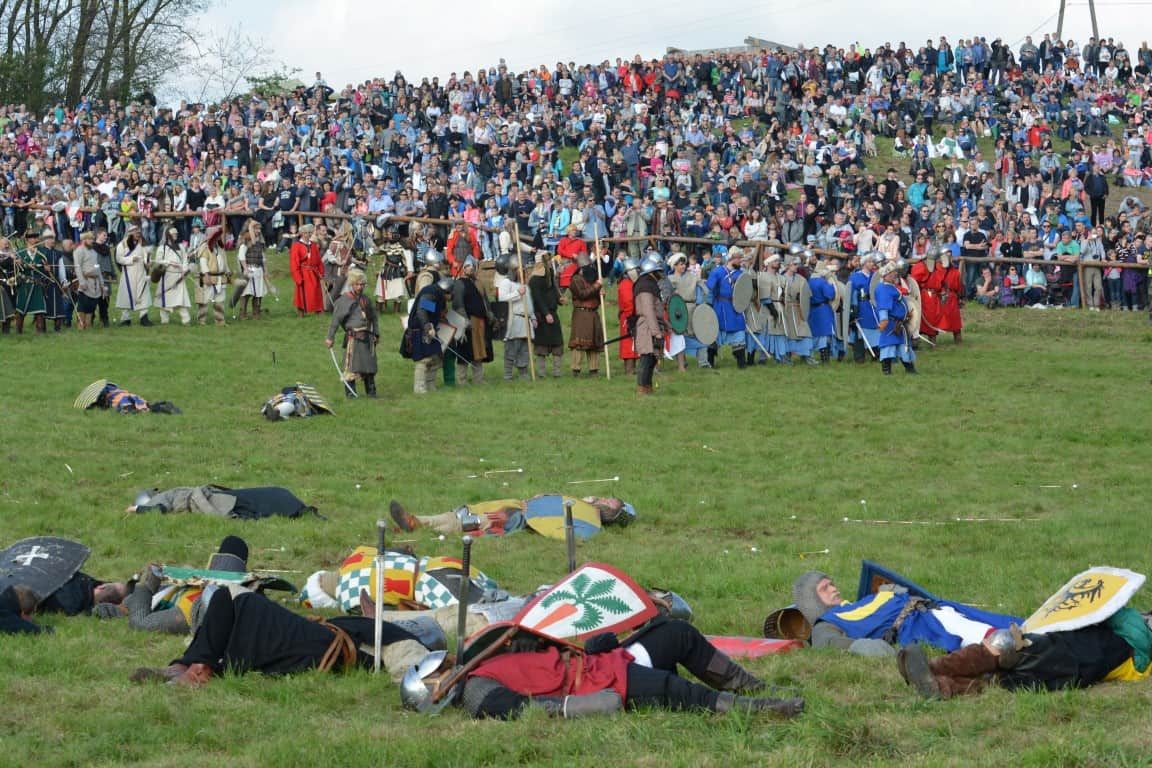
{"points": [[352, 40]]}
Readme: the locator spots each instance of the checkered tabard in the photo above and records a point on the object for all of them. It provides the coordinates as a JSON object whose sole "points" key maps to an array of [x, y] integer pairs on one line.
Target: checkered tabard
{"points": [[351, 582]]}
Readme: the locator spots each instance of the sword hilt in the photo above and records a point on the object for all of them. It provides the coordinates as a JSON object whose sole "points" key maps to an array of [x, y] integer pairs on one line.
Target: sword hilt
{"points": [[381, 530], [570, 536]]}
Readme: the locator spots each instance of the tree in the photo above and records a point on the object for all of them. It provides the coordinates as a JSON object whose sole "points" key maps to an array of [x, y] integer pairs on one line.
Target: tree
{"points": [[227, 61], [68, 49]]}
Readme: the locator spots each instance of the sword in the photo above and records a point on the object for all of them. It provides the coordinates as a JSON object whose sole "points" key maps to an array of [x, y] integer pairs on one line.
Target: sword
{"points": [[570, 536], [756, 338], [860, 330], [462, 612], [347, 386], [381, 527]]}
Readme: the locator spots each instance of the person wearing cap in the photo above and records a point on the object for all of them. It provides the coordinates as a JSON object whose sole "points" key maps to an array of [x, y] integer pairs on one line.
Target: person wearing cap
{"points": [[90, 286], [171, 292], [549, 338], [872, 625], [132, 294], [686, 285], [895, 340], [355, 314], [721, 281], [307, 270]]}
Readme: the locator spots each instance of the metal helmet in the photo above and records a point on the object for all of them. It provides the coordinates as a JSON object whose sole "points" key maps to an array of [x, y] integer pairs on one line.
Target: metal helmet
{"points": [[651, 263], [433, 258], [426, 630], [143, 497], [445, 284], [502, 265], [944, 253], [630, 264], [414, 692], [285, 408], [795, 249], [671, 604]]}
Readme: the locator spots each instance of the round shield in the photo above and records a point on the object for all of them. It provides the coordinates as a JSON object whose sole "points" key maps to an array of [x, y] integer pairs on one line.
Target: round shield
{"points": [[678, 314], [90, 394], [743, 291], [705, 324]]}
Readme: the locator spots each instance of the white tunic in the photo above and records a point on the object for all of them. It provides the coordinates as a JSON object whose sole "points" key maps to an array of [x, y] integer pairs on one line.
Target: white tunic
{"points": [[132, 293], [255, 275], [519, 307], [171, 292]]}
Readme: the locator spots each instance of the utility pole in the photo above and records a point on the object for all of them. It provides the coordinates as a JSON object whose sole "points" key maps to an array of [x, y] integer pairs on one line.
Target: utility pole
{"points": [[1060, 21], [1091, 11]]}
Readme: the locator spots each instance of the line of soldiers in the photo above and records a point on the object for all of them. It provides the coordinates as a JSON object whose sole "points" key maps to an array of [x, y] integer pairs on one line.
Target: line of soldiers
{"points": [[778, 308], [50, 280]]}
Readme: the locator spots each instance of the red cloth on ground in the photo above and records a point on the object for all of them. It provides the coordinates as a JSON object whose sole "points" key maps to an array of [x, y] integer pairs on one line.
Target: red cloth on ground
{"points": [[546, 673]]}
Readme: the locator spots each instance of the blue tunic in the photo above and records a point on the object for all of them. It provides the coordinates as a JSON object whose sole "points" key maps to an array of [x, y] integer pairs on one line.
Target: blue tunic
{"points": [[860, 285], [821, 318], [720, 283], [874, 616], [890, 305]]}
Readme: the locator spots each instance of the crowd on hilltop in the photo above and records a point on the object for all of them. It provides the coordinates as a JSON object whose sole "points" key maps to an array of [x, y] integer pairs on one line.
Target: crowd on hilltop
{"points": [[1022, 143]]}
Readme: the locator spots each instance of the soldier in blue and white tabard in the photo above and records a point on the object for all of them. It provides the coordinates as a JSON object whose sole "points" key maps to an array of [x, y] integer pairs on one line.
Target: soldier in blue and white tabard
{"points": [[821, 318], [720, 284], [891, 313], [863, 333]]}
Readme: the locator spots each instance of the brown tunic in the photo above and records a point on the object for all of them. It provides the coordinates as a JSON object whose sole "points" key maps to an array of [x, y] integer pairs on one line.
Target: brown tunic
{"points": [[587, 332]]}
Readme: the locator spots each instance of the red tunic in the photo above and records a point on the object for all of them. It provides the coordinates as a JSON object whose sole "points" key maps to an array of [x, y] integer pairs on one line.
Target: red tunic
{"points": [[546, 673], [569, 248], [627, 304], [953, 289], [304, 261], [930, 285]]}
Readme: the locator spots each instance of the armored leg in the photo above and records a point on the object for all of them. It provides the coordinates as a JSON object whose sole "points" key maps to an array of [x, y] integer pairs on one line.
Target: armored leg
{"points": [[556, 359]]}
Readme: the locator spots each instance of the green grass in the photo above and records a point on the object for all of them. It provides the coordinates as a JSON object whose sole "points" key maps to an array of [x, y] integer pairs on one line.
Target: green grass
{"points": [[1033, 399]]}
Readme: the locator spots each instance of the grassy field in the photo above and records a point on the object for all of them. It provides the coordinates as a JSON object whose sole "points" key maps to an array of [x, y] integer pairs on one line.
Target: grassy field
{"points": [[1032, 399]]}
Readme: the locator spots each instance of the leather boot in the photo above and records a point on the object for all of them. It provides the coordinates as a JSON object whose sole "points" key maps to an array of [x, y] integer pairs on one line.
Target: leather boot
{"points": [[158, 674], [404, 520], [556, 366], [964, 671], [145, 321], [910, 368], [712, 356], [726, 702], [39, 324], [350, 389], [886, 367], [370, 385], [956, 335], [643, 390], [723, 674], [193, 677], [739, 355], [914, 668], [825, 355], [541, 366], [256, 308]]}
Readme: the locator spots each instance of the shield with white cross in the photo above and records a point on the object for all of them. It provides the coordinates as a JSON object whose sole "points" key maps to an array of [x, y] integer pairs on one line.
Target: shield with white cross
{"points": [[42, 563]]}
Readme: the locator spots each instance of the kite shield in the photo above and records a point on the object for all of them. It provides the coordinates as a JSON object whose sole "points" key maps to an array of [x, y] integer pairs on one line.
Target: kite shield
{"points": [[43, 564], [545, 515], [1088, 598]]}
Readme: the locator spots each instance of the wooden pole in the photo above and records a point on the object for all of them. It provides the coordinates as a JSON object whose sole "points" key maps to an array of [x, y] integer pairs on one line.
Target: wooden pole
{"points": [[527, 318], [1080, 277], [603, 312]]}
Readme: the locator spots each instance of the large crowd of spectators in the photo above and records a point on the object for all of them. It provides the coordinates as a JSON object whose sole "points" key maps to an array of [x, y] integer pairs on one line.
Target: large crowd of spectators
{"points": [[1000, 150]]}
